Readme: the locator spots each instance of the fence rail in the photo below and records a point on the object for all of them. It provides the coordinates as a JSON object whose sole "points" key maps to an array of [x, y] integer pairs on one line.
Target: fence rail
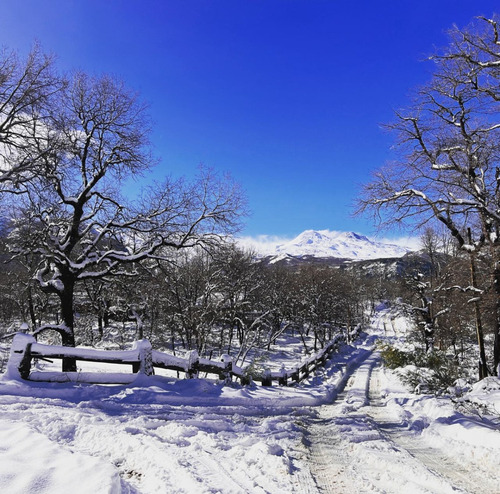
{"points": [[143, 359]]}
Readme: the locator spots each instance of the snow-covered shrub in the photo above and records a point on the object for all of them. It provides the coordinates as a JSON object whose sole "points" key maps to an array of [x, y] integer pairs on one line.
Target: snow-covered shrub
{"points": [[393, 357], [423, 371]]}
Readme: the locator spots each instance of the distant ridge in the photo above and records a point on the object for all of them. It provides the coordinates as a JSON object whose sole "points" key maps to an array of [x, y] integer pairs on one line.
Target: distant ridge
{"points": [[332, 244]]}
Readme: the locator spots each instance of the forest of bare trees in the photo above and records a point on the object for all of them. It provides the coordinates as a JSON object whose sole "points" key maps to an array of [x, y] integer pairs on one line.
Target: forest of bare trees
{"points": [[82, 260]]}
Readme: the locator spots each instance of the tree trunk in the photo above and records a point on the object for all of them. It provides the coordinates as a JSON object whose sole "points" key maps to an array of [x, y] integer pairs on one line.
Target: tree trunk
{"points": [[31, 307], [230, 339], [100, 326], [68, 320], [105, 313], [483, 368]]}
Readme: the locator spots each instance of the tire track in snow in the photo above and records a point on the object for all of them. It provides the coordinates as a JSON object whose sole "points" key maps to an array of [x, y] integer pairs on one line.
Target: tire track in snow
{"points": [[327, 458], [351, 451], [433, 458]]}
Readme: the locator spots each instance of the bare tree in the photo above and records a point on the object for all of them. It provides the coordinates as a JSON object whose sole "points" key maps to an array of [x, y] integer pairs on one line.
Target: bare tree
{"points": [[27, 88], [450, 147], [189, 290], [277, 298], [97, 134], [240, 289]]}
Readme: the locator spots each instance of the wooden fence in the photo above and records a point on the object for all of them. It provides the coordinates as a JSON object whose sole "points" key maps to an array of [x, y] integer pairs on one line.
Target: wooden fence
{"points": [[143, 360]]}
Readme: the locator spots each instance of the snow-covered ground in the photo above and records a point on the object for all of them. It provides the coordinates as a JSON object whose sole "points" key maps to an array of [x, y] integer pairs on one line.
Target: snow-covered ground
{"points": [[350, 428]]}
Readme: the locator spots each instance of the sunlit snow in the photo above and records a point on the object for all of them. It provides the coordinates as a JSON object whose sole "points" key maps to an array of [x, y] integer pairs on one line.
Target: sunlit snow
{"points": [[353, 426], [328, 244]]}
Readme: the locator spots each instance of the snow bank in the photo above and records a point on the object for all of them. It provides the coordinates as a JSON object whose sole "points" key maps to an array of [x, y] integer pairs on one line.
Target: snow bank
{"points": [[33, 464], [445, 424]]}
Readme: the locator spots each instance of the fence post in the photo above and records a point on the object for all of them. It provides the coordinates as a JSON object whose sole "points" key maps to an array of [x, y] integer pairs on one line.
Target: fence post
{"points": [[19, 364], [225, 375], [193, 364], [266, 378], [145, 364], [305, 370], [245, 379], [282, 380]]}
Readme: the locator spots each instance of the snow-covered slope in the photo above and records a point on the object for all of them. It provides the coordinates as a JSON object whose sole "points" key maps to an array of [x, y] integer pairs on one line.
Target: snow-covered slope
{"points": [[344, 245]]}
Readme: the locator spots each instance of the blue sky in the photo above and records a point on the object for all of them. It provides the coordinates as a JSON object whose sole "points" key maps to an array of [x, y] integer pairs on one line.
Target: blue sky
{"points": [[285, 95]]}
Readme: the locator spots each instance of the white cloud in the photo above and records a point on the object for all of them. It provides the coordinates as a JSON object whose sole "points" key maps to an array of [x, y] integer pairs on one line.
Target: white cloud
{"points": [[263, 244]]}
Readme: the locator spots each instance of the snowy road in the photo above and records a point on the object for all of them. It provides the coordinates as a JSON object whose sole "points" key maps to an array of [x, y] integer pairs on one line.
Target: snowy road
{"points": [[351, 428], [357, 445]]}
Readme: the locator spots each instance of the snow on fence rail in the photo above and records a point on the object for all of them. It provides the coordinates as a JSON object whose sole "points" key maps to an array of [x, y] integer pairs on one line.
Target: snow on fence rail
{"points": [[143, 360]]}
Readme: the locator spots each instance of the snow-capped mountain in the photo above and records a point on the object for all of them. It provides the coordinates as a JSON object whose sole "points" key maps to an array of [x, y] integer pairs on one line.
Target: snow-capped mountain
{"points": [[332, 244]]}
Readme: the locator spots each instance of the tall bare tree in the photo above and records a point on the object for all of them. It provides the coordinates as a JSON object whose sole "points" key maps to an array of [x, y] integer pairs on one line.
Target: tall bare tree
{"points": [[449, 142], [96, 136]]}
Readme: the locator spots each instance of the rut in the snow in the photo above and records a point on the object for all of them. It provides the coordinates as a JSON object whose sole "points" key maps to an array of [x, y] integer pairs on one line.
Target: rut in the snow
{"points": [[327, 457], [355, 445], [469, 479]]}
